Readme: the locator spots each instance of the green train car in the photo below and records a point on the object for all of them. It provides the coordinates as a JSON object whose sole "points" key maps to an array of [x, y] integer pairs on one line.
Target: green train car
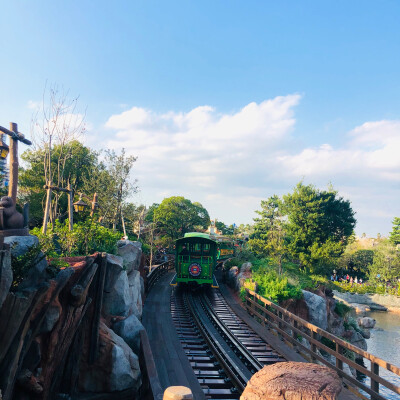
{"points": [[195, 260], [226, 248]]}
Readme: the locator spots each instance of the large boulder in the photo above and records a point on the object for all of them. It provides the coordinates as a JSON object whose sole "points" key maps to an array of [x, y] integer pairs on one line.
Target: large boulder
{"points": [[116, 368], [20, 245], [118, 300], [129, 329], [131, 253], [232, 277], [135, 288], [6, 275], [115, 265], [366, 322], [316, 309], [293, 381]]}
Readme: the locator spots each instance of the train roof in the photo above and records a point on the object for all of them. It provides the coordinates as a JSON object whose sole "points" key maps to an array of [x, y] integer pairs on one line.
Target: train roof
{"points": [[198, 235]]}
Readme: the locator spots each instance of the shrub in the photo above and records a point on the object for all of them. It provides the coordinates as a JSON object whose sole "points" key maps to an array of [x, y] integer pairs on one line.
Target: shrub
{"points": [[276, 287], [342, 309], [86, 238]]}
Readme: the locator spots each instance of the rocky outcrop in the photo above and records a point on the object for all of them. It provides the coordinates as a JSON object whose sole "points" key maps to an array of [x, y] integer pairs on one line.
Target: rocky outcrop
{"points": [[20, 245], [116, 369], [376, 302], [129, 329], [6, 275], [366, 322], [316, 309], [131, 253], [293, 381], [123, 290]]}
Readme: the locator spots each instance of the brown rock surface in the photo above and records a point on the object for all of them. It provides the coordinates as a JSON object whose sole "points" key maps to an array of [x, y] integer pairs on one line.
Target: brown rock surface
{"points": [[293, 381]]}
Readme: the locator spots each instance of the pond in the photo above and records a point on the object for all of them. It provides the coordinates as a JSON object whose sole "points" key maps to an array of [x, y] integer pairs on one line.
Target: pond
{"points": [[385, 343]]}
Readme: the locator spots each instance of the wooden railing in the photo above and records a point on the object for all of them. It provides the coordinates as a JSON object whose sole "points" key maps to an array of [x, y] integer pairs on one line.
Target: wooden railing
{"points": [[158, 271], [290, 327]]}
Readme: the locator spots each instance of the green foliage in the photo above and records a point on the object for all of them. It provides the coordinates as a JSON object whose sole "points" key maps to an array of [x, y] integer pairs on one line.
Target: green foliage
{"points": [[86, 238], [225, 229], [386, 263], [22, 264], [395, 233], [319, 226], [357, 262], [176, 216], [275, 287], [342, 309]]}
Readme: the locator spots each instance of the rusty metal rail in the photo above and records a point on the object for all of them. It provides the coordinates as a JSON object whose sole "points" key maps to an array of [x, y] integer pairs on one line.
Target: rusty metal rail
{"points": [[289, 326]]}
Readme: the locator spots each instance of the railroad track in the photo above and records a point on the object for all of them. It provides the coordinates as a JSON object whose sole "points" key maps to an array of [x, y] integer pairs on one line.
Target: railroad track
{"points": [[223, 351]]}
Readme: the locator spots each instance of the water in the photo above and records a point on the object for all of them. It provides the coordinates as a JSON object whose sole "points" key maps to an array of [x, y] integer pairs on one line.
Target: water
{"points": [[385, 343]]}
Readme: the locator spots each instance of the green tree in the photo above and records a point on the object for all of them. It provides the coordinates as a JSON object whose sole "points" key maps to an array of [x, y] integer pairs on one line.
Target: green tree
{"points": [[386, 264], [319, 226], [225, 229], [176, 216], [395, 233], [77, 166]]}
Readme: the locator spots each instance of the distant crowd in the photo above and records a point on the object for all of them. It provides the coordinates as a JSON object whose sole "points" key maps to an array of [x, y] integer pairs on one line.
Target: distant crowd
{"points": [[346, 278]]}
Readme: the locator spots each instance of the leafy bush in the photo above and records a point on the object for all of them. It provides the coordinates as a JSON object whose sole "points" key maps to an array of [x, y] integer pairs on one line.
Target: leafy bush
{"points": [[276, 287], [23, 263], [342, 309], [87, 237]]}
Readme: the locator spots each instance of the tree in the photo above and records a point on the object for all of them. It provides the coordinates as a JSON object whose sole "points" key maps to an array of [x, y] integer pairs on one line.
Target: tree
{"points": [[386, 264], [111, 181], [395, 234], [76, 169], [56, 125], [176, 216], [319, 226], [225, 229]]}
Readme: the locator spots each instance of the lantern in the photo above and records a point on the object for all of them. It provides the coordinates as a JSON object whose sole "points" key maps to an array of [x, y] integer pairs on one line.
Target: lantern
{"points": [[4, 150], [80, 205]]}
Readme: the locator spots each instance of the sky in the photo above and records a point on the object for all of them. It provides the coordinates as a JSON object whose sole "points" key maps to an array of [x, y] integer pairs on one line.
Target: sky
{"points": [[223, 102]]}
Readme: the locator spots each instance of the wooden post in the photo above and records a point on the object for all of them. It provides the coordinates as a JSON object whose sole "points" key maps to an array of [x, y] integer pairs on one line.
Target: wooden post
{"points": [[374, 383], [47, 208], [70, 207], [94, 202], [314, 346], [339, 363], [13, 184]]}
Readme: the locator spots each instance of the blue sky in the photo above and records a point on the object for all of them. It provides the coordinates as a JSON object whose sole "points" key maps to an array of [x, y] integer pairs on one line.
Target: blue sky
{"points": [[306, 90]]}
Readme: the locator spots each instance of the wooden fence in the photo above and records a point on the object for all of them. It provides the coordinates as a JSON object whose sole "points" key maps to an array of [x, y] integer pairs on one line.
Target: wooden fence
{"points": [[290, 328], [157, 272]]}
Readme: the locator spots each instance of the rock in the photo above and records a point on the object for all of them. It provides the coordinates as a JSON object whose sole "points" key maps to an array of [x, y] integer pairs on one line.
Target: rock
{"points": [[135, 289], [358, 340], [118, 301], [360, 308], [366, 322], [19, 245], [114, 269], [131, 253], [52, 316], [6, 274], [116, 369], [177, 393], [246, 267], [293, 381], [232, 278], [316, 309], [129, 329], [366, 334]]}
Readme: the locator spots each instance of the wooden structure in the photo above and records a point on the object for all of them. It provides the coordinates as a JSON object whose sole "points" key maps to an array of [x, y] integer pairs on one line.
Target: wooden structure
{"points": [[290, 327]]}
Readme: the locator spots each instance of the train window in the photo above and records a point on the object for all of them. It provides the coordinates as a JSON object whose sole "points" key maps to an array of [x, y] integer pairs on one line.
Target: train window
{"points": [[206, 249], [195, 248]]}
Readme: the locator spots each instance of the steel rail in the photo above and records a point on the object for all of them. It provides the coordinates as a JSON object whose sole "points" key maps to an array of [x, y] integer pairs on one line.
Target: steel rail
{"points": [[235, 374], [247, 357]]}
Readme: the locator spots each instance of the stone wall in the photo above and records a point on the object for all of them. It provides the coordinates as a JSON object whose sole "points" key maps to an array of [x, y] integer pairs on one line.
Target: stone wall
{"points": [[375, 301]]}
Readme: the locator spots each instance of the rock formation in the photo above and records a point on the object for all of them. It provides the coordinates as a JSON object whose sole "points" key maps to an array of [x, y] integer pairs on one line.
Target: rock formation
{"points": [[293, 381]]}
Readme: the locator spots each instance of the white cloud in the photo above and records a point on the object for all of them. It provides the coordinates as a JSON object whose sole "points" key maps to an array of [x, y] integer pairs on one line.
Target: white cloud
{"points": [[230, 161]]}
